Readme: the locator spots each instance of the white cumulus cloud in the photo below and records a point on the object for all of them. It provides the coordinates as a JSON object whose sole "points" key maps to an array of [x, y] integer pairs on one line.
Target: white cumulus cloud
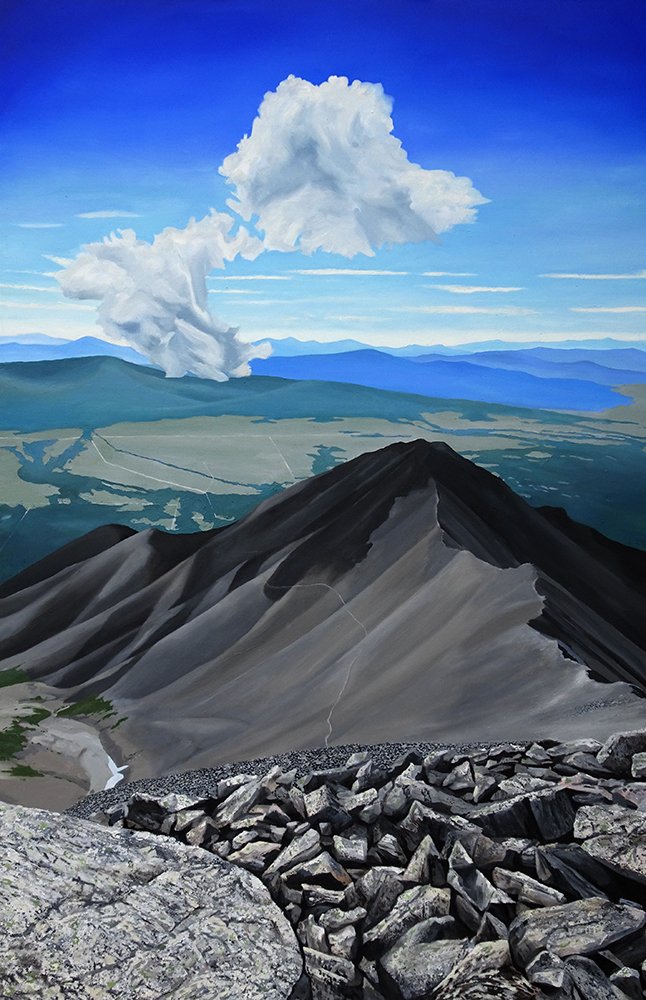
{"points": [[153, 296], [321, 170]]}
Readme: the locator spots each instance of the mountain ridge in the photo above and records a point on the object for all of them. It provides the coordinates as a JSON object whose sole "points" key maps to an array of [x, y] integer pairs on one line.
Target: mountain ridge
{"points": [[391, 597]]}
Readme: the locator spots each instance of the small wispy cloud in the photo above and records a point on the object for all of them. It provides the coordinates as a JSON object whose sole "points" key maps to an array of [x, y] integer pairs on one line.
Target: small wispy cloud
{"points": [[259, 302], [69, 306], [473, 289], [249, 277], [608, 309], [364, 272], [466, 310], [27, 288], [231, 291], [108, 213], [15, 270], [597, 277], [448, 274], [39, 225]]}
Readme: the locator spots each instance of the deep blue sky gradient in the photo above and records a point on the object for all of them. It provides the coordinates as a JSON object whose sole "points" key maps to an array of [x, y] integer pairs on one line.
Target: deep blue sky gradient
{"points": [[107, 103]]}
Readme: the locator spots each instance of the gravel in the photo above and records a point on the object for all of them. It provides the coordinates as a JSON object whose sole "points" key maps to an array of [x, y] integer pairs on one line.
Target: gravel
{"points": [[200, 782]]}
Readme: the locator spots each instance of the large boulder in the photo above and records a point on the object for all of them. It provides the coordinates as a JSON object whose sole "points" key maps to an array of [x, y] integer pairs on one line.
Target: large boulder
{"points": [[90, 911], [580, 928]]}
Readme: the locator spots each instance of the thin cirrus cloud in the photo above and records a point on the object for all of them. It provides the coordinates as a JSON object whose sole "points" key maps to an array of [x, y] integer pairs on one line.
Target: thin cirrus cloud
{"points": [[231, 291], [597, 277], [108, 213], [27, 288], [329, 271], [448, 274], [249, 277], [473, 289], [449, 310], [39, 225], [608, 309], [42, 305]]}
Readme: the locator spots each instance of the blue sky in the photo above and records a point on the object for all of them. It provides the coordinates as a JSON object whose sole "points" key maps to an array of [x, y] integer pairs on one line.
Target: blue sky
{"points": [[131, 107]]}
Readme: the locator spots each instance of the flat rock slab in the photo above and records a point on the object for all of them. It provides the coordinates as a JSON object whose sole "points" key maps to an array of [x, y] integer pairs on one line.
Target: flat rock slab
{"points": [[87, 911]]}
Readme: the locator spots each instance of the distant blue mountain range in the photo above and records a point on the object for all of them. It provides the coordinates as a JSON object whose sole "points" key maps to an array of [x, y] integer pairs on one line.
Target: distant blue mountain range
{"points": [[453, 378], [601, 367], [291, 347], [42, 348]]}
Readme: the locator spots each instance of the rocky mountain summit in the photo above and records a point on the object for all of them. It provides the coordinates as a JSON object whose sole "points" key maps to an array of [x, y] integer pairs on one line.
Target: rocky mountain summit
{"points": [[501, 872], [406, 594]]}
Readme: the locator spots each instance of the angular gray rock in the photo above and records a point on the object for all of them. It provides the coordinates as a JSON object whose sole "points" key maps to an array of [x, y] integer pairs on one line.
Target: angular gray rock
{"points": [[410, 908], [412, 969], [579, 928], [616, 837], [617, 752], [485, 974], [89, 911]]}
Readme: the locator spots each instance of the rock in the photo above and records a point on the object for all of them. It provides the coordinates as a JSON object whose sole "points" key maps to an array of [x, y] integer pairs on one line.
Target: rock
{"points": [[350, 850], [317, 895], [146, 812], [547, 969], [596, 820], [484, 786], [616, 837], [579, 928], [638, 765], [354, 804], [322, 806], [628, 982], [538, 755], [335, 919], [320, 870], [527, 889], [429, 795], [389, 851], [200, 833], [238, 802], [548, 813], [255, 856], [228, 785], [412, 906], [561, 750], [465, 879], [313, 935], [588, 980], [344, 942], [461, 778], [617, 752], [485, 974], [376, 891], [331, 977], [425, 864], [110, 904], [301, 849], [572, 870], [521, 783], [414, 967]]}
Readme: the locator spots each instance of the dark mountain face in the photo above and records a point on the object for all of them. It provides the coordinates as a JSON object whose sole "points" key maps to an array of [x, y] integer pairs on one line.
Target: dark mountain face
{"points": [[405, 594]]}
